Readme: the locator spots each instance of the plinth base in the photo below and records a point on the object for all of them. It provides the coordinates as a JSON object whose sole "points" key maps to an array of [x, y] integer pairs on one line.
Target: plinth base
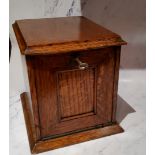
{"points": [[54, 143]]}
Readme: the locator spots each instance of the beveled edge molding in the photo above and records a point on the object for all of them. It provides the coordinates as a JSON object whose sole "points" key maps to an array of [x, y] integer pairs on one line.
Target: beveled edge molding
{"points": [[72, 47], [66, 47], [42, 146], [55, 143]]}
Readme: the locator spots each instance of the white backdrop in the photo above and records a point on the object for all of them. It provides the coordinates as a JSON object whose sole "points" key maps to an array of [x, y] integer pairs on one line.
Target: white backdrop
{"points": [[24, 9], [128, 19], [125, 17]]}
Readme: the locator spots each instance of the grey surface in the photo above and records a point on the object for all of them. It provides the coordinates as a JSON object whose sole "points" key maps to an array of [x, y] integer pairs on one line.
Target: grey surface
{"points": [[125, 17]]}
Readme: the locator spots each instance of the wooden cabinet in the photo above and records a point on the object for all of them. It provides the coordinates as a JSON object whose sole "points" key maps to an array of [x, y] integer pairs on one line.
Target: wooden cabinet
{"points": [[72, 68]]}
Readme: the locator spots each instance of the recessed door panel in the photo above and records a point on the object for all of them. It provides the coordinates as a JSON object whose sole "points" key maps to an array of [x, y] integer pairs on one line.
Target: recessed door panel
{"points": [[76, 93]]}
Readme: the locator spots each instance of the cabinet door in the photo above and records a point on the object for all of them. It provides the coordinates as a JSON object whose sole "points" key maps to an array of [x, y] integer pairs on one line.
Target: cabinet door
{"points": [[70, 99]]}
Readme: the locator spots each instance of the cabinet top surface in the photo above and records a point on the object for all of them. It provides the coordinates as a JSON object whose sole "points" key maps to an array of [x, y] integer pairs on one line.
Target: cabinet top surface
{"points": [[58, 35]]}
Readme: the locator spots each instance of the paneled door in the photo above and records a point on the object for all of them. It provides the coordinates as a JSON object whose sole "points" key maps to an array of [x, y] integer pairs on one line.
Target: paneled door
{"points": [[70, 98]]}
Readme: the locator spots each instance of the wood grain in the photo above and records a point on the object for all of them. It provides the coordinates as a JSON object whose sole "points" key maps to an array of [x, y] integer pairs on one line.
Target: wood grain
{"points": [[105, 79], [33, 92], [69, 105], [43, 146], [38, 146], [62, 35], [53, 113], [116, 79], [28, 120], [76, 92]]}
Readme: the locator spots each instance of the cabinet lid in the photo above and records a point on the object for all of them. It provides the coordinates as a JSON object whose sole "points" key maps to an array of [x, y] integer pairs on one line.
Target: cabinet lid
{"points": [[62, 35]]}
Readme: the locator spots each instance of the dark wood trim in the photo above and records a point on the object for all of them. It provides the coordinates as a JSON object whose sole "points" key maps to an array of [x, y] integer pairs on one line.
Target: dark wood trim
{"points": [[46, 145]]}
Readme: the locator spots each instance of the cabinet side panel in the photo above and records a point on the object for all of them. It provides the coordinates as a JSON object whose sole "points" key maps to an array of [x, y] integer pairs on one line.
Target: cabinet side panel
{"points": [[105, 77], [26, 81], [31, 85], [116, 78]]}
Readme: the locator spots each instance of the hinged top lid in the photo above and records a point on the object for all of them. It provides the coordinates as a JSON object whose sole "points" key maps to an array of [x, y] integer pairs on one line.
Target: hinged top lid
{"points": [[62, 35]]}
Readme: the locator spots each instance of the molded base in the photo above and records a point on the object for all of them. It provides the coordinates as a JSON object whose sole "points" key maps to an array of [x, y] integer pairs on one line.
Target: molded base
{"points": [[46, 145]]}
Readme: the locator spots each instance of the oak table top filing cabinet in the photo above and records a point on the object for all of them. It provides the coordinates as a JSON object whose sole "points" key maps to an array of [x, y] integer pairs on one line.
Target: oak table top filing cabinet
{"points": [[71, 70]]}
